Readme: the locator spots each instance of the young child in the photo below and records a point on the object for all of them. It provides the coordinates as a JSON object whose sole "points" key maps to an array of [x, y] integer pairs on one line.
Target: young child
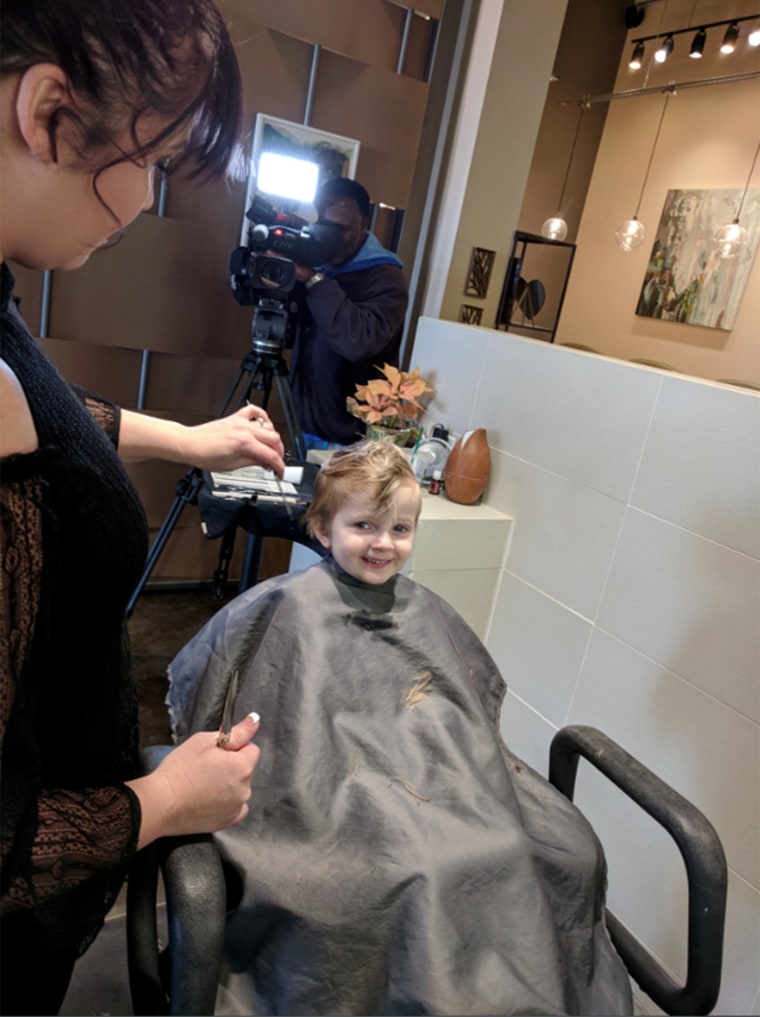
{"points": [[396, 858]]}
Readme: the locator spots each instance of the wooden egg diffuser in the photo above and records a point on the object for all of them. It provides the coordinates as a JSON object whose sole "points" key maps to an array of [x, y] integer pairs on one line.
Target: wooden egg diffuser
{"points": [[468, 467]]}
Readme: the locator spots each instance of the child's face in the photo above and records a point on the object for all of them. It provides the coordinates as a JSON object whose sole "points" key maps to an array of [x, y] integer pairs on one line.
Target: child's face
{"points": [[369, 544]]}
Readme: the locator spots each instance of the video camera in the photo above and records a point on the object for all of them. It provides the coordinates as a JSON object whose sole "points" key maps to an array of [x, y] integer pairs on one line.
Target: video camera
{"points": [[255, 275]]}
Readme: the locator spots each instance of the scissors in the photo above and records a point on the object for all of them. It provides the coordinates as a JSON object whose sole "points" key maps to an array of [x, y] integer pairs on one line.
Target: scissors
{"points": [[229, 702]]}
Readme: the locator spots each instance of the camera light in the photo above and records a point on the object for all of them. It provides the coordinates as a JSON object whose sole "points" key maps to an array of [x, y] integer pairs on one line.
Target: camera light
{"points": [[286, 177]]}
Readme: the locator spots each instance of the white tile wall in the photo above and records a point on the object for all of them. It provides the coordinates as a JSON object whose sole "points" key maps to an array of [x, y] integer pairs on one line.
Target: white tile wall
{"points": [[630, 599], [539, 646], [690, 604], [565, 531], [701, 464]]}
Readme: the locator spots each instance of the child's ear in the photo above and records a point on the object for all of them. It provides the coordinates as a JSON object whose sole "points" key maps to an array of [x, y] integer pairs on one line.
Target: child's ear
{"points": [[321, 532], [42, 90]]}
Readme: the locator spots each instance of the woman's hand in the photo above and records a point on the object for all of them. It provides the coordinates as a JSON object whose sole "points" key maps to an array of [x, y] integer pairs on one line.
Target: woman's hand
{"points": [[199, 787], [244, 438]]}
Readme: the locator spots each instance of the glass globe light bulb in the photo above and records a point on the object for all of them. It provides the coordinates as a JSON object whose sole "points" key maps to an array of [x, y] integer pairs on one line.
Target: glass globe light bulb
{"points": [[630, 235], [730, 239], [554, 228]]}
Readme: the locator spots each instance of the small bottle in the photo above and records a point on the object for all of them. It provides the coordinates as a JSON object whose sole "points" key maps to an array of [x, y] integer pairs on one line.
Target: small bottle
{"points": [[435, 483]]}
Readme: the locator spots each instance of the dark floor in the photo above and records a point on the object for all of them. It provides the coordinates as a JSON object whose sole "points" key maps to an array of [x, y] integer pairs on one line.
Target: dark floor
{"points": [[164, 619], [162, 622]]}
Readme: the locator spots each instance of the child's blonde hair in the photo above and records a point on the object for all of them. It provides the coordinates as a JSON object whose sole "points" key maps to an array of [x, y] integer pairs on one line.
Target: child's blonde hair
{"points": [[376, 468]]}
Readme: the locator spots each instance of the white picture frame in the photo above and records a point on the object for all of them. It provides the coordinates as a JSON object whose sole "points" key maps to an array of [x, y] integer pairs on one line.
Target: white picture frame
{"points": [[336, 154]]}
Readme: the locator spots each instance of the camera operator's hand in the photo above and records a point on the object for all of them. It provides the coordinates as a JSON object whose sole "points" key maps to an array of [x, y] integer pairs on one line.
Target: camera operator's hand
{"points": [[244, 438], [304, 273]]}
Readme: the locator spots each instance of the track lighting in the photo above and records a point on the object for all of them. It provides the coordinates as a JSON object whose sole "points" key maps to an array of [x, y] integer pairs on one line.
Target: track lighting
{"points": [[698, 45], [664, 50], [637, 56], [665, 45], [731, 238], [730, 39]]}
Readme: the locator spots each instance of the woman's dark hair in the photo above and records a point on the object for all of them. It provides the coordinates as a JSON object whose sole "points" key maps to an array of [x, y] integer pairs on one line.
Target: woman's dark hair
{"points": [[128, 58]]}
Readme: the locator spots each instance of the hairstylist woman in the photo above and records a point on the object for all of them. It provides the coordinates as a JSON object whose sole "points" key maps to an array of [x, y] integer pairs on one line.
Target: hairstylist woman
{"points": [[96, 98]]}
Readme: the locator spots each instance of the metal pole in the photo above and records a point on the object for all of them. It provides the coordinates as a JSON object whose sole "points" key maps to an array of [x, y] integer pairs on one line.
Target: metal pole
{"points": [[312, 83]]}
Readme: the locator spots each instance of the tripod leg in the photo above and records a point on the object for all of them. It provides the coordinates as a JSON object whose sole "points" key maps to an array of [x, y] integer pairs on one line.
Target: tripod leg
{"points": [[291, 417], [254, 550], [187, 492]]}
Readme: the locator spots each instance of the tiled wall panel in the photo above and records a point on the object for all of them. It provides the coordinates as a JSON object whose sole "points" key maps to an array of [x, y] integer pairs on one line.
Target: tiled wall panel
{"points": [[629, 600]]}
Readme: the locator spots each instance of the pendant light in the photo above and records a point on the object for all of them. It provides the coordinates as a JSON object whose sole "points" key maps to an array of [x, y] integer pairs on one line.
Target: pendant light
{"points": [[631, 234], [555, 228], [732, 237]]}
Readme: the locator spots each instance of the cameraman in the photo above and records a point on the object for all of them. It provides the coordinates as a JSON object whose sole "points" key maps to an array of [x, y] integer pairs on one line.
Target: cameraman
{"points": [[350, 318]]}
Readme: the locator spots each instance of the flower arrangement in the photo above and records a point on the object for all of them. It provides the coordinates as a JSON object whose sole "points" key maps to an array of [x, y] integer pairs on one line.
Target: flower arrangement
{"points": [[391, 401]]}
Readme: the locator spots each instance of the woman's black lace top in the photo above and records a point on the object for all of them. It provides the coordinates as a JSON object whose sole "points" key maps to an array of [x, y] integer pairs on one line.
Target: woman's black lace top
{"points": [[74, 542]]}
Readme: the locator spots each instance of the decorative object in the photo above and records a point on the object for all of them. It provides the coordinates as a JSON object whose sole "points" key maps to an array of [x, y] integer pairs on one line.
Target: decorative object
{"points": [[468, 467], [732, 237], [390, 403], [555, 228], [470, 314], [686, 280], [631, 234], [334, 155], [522, 301], [479, 275]]}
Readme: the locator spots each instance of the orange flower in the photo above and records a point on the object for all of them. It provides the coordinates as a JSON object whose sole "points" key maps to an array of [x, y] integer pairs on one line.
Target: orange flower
{"points": [[391, 401]]}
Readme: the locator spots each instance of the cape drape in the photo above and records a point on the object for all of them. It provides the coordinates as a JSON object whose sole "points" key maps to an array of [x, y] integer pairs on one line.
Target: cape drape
{"points": [[397, 858]]}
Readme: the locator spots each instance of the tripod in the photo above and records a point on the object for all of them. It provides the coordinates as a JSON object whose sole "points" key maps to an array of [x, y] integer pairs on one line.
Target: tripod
{"points": [[262, 365]]}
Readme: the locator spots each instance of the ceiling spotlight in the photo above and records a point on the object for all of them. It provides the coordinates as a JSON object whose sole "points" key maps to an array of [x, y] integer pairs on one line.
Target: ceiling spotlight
{"points": [[664, 50], [730, 38], [637, 56], [698, 45], [754, 36]]}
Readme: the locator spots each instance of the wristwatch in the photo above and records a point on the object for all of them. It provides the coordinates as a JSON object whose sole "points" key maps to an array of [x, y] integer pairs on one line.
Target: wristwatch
{"points": [[317, 277]]}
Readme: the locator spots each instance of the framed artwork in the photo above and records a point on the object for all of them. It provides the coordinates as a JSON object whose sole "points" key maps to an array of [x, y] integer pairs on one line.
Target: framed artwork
{"points": [[470, 314], [479, 274], [334, 154], [686, 280]]}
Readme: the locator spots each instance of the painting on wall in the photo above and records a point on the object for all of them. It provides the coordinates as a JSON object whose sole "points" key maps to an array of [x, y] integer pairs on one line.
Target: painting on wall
{"points": [[479, 275], [686, 280]]}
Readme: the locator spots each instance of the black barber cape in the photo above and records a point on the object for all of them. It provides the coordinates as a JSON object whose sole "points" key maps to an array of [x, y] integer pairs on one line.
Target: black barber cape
{"points": [[397, 858]]}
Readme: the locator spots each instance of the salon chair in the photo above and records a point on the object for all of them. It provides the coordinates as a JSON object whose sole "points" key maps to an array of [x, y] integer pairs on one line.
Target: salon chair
{"points": [[183, 978]]}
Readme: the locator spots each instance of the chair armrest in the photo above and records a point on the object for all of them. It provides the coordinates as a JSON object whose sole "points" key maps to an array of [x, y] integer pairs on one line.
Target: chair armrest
{"points": [[700, 848], [185, 978]]}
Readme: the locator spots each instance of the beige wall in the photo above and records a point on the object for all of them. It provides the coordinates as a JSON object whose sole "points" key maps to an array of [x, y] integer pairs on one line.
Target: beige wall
{"points": [[628, 601], [708, 139], [507, 128]]}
